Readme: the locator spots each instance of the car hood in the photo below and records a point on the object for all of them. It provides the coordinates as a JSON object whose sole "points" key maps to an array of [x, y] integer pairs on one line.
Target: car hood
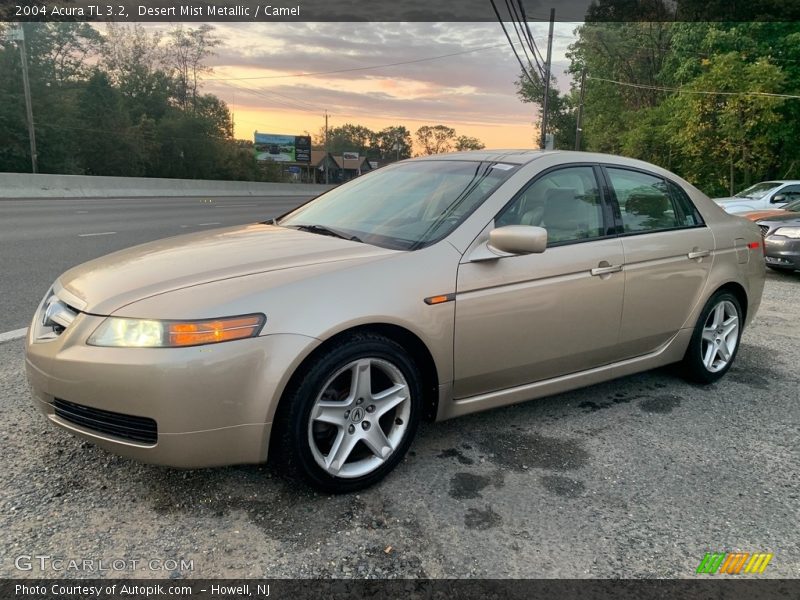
{"points": [[789, 220], [108, 283], [755, 215], [738, 204]]}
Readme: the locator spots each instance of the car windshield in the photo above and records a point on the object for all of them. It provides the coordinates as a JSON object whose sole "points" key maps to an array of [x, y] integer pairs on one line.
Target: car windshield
{"points": [[792, 206], [406, 206], [759, 190]]}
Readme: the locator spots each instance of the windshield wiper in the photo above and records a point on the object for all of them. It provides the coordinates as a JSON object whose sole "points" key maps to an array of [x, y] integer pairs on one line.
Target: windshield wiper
{"points": [[322, 230]]}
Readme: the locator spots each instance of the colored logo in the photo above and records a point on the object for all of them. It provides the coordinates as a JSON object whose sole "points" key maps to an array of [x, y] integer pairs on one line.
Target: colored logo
{"points": [[734, 563]]}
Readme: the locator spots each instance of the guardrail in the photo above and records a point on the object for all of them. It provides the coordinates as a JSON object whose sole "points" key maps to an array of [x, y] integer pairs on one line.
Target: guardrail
{"points": [[26, 185]]}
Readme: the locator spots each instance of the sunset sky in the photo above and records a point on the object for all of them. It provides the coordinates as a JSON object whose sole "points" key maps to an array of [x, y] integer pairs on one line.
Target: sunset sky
{"points": [[256, 73]]}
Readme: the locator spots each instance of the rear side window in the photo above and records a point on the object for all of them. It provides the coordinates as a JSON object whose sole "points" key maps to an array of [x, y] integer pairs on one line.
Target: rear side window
{"points": [[687, 211], [649, 203]]}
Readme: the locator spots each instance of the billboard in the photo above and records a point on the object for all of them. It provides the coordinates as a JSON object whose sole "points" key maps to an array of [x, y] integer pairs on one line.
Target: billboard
{"points": [[282, 148]]}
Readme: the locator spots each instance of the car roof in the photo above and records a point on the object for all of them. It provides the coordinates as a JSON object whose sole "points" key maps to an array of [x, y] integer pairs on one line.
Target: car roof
{"points": [[522, 157], [778, 181]]}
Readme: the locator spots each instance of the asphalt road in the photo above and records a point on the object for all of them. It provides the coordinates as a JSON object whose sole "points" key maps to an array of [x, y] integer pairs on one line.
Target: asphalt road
{"points": [[638, 477], [40, 239]]}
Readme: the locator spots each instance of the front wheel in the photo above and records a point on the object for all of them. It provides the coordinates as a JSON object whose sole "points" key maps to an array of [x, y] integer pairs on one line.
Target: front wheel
{"points": [[351, 415], [715, 340]]}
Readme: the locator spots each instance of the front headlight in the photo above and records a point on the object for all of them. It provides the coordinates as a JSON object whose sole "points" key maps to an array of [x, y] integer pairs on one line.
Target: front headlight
{"points": [[790, 232], [143, 333]]}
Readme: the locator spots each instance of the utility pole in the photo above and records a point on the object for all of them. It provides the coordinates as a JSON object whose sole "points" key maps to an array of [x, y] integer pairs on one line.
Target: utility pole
{"points": [[578, 128], [18, 33], [547, 77], [326, 148]]}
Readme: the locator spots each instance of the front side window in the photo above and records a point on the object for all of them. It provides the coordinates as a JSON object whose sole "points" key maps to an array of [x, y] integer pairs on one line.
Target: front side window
{"points": [[646, 203], [565, 202], [405, 206]]}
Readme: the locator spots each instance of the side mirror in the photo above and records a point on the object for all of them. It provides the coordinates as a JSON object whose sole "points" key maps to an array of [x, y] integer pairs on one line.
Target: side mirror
{"points": [[778, 198], [518, 239]]}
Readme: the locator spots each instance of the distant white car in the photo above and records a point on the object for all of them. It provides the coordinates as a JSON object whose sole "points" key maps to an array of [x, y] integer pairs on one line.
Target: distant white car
{"points": [[767, 194]]}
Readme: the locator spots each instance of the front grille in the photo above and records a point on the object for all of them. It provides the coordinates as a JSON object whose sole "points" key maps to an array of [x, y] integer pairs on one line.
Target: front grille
{"points": [[54, 317], [126, 427], [764, 230]]}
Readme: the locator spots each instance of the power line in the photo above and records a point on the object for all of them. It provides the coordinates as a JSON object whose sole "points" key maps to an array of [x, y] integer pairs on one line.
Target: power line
{"points": [[297, 104], [522, 36], [689, 91], [531, 40], [511, 43], [353, 69]]}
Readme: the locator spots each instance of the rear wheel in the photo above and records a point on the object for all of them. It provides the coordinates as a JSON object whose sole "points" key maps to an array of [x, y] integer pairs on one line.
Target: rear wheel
{"points": [[351, 415], [715, 340]]}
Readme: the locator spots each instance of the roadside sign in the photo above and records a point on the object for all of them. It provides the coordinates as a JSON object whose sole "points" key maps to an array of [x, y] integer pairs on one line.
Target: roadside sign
{"points": [[13, 33]]}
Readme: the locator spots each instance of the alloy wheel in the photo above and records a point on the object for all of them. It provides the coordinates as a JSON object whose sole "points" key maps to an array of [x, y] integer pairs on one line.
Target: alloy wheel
{"points": [[359, 418], [720, 336]]}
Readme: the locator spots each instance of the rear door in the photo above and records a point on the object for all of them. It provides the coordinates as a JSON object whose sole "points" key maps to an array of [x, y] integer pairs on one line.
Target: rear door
{"points": [[668, 255]]}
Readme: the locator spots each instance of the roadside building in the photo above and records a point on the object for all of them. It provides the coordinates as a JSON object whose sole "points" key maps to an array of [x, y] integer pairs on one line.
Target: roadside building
{"points": [[350, 168]]}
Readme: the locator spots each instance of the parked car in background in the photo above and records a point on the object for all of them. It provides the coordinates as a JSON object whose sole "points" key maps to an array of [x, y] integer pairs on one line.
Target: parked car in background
{"points": [[757, 215], [782, 241], [428, 289], [764, 195]]}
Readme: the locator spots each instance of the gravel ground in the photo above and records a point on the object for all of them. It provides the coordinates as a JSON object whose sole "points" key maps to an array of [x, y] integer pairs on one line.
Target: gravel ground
{"points": [[633, 478]]}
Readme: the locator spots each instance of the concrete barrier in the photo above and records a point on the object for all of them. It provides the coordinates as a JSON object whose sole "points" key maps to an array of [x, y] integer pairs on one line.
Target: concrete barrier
{"points": [[26, 185]]}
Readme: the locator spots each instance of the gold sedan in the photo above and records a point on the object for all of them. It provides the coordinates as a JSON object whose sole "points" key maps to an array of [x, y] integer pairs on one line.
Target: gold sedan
{"points": [[428, 289]]}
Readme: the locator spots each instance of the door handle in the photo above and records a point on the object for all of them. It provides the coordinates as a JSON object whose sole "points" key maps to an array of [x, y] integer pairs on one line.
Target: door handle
{"points": [[698, 254], [605, 269]]}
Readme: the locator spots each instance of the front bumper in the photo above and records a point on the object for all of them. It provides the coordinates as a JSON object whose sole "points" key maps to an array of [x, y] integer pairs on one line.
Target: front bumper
{"points": [[213, 405], [782, 252]]}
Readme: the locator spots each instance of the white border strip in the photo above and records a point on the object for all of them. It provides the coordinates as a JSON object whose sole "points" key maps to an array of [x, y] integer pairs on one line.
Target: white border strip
{"points": [[13, 335]]}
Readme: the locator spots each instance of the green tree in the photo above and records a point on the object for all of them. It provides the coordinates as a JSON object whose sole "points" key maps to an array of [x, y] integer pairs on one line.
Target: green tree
{"points": [[464, 142], [351, 138], [393, 143], [108, 144], [435, 139], [187, 52], [693, 97]]}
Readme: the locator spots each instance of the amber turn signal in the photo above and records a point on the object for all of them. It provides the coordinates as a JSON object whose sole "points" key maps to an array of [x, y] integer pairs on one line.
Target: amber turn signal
{"points": [[213, 330]]}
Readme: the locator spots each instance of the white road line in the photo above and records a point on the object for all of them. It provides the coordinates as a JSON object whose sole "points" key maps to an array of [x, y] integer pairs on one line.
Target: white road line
{"points": [[13, 335], [94, 234], [204, 224]]}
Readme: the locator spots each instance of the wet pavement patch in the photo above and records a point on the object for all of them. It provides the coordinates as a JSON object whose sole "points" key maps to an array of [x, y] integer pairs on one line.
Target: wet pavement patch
{"points": [[617, 398], [464, 486], [660, 404], [458, 455], [749, 377], [562, 486], [523, 451], [482, 519]]}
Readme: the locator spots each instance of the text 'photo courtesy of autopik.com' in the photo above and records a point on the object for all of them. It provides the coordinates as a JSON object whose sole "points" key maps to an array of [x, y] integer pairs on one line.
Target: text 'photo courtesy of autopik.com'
{"points": [[469, 299]]}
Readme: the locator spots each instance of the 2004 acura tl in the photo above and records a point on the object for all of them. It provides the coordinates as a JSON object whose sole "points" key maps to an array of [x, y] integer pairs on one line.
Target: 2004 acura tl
{"points": [[431, 288]]}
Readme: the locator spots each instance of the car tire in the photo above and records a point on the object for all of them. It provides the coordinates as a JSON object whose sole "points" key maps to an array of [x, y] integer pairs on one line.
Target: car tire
{"points": [[350, 415], [715, 340], [781, 269]]}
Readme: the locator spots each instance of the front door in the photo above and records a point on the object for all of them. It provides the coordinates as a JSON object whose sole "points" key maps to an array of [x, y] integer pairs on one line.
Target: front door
{"points": [[521, 319]]}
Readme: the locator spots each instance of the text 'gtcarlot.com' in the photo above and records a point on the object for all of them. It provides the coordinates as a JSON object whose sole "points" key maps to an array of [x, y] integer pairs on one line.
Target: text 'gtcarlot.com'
{"points": [[43, 562]]}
